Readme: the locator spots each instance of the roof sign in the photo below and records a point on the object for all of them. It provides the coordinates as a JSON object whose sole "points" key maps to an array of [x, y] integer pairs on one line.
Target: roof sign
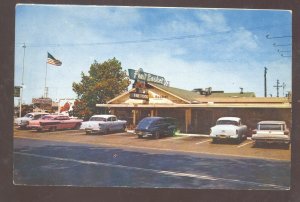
{"points": [[147, 77]]}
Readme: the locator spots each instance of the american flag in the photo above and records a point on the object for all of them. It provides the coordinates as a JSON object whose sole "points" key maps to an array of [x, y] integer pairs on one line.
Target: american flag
{"points": [[51, 60]]}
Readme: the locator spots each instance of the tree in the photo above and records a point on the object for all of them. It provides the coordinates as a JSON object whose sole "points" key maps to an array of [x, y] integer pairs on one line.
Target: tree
{"points": [[103, 82]]}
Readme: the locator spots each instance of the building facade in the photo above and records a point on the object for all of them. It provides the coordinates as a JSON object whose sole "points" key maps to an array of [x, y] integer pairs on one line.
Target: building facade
{"points": [[196, 112]]}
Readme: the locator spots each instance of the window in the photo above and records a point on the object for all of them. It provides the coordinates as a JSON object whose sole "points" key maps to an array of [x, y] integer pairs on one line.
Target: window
{"points": [[97, 119], [28, 115], [47, 117], [271, 127], [227, 122]]}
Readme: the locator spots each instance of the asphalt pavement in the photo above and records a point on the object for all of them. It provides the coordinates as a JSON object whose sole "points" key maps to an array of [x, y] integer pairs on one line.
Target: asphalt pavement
{"points": [[46, 162]]}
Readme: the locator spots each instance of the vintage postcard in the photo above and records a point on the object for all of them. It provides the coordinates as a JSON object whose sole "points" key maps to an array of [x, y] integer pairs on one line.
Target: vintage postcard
{"points": [[152, 97]]}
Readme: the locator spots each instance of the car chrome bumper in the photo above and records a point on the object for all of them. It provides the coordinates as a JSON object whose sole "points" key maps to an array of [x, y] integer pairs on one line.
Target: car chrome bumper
{"points": [[271, 141], [93, 130], [224, 136], [143, 134]]}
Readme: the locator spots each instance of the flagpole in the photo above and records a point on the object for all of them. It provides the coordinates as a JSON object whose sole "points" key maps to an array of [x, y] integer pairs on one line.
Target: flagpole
{"points": [[46, 93]]}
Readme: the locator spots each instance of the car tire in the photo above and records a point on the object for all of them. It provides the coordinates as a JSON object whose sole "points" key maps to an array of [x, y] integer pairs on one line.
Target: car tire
{"points": [[156, 135], [106, 131], [87, 132], [257, 144], [214, 141], [286, 146], [173, 131], [52, 129], [239, 140], [77, 126], [124, 128], [140, 136]]}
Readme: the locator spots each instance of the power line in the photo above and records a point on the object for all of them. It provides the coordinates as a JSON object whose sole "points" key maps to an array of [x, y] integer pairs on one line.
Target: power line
{"points": [[276, 37], [146, 40]]}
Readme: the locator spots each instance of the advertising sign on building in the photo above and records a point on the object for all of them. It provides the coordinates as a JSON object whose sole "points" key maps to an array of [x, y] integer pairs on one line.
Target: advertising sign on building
{"points": [[65, 105], [44, 101], [142, 96], [147, 77]]}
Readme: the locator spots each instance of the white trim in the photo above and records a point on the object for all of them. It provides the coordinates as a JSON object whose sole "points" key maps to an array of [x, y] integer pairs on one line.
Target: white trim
{"points": [[262, 105]]}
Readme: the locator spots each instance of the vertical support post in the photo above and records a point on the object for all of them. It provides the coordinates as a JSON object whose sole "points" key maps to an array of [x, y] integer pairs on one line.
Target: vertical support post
{"points": [[153, 112], [21, 89], [188, 118], [265, 78], [20, 104], [46, 89], [134, 117]]}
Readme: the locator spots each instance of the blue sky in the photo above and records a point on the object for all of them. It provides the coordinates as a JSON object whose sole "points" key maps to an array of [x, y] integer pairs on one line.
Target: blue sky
{"points": [[192, 48]]}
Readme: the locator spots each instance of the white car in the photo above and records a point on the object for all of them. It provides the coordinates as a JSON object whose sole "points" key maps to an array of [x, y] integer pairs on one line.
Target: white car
{"points": [[22, 122], [104, 123], [229, 128], [271, 132]]}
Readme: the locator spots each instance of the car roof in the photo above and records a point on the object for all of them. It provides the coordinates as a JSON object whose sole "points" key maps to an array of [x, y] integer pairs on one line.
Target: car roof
{"points": [[153, 118], [56, 115], [104, 115], [230, 118], [36, 113], [158, 117], [271, 122]]}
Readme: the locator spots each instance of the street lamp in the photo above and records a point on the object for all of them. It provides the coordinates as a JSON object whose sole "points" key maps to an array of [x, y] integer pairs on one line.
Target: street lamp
{"points": [[22, 85]]}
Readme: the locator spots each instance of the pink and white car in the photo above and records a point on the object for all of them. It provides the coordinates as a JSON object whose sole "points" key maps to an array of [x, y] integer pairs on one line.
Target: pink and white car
{"points": [[54, 122]]}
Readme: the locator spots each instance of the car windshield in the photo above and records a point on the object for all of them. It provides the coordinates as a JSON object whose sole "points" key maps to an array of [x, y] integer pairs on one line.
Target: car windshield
{"points": [[36, 117], [146, 123], [270, 127], [227, 122], [28, 115], [47, 117], [97, 119]]}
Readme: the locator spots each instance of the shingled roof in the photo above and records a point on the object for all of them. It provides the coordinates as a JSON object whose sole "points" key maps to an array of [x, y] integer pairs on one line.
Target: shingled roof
{"points": [[244, 94], [187, 95]]}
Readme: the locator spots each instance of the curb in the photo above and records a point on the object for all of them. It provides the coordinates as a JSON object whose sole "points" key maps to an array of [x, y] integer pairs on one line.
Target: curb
{"points": [[180, 134]]}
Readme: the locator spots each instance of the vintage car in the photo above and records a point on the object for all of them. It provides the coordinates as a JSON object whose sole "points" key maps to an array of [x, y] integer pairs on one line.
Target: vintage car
{"points": [[271, 132], [54, 122], [22, 122], [229, 128], [104, 123], [156, 127]]}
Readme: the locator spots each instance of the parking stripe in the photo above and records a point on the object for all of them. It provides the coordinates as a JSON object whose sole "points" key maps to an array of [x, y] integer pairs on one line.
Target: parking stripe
{"points": [[172, 138], [164, 172], [203, 141], [244, 144]]}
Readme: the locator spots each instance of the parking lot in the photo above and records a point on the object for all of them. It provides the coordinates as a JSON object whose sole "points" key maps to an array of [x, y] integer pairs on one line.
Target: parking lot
{"points": [[187, 143]]}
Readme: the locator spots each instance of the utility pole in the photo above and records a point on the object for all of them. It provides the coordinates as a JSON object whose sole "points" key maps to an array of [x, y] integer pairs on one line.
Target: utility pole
{"points": [[22, 85], [265, 77], [283, 87], [277, 87]]}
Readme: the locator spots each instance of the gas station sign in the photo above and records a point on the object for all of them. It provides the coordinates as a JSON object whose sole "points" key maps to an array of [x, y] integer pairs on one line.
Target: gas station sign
{"points": [[17, 91]]}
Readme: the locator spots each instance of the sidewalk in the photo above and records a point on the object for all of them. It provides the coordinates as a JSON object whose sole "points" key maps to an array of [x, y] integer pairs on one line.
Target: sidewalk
{"points": [[181, 134]]}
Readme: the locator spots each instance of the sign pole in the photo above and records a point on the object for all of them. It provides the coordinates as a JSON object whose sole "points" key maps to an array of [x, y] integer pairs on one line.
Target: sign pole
{"points": [[21, 89], [20, 104], [45, 92]]}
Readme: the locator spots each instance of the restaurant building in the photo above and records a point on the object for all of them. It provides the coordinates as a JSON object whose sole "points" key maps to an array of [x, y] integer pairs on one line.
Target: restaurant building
{"points": [[197, 110]]}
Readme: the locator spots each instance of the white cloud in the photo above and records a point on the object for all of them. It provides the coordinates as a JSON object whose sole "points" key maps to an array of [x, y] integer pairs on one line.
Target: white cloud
{"points": [[213, 21]]}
